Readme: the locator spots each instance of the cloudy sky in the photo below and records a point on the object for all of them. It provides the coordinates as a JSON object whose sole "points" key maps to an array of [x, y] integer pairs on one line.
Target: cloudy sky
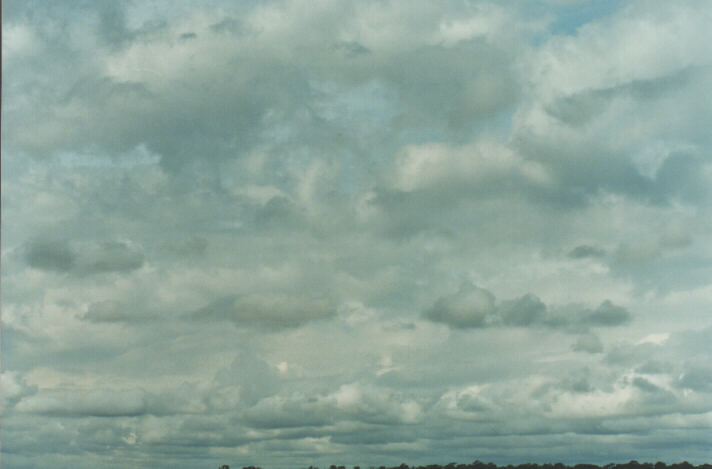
{"points": [[371, 232]]}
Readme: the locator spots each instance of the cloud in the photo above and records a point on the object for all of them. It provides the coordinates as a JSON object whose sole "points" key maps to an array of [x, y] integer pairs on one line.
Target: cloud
{"points": [[96, 403], [351, 402], [523, 311], [436, 165], [109, 311], [270, 311], [470, 307], [583, 251], [59, 256], [474, 307], [110, 257], [607, 314], [14, 389], [55, 256], [191, 192], [589, 343]]}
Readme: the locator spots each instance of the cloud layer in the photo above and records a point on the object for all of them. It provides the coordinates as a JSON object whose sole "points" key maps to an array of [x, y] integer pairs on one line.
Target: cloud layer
{"points": [[301, 233]]}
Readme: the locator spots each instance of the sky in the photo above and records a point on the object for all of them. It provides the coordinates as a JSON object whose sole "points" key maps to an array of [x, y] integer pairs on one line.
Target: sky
{"points": [[305, 232]]}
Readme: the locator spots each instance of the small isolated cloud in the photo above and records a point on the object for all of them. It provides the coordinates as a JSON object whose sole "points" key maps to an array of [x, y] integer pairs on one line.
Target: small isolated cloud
{"points": [[269, 311]]}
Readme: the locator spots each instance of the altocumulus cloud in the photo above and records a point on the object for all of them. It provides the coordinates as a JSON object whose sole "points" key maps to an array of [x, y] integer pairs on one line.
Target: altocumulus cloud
{"points": [[475, 307], [299, 233]]}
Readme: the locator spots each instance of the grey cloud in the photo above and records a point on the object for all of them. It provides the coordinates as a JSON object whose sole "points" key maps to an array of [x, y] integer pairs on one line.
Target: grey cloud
{"points": [[116, 312], [645, 385], [578, 385], [246, 381], [111, 403], [195, 246], [293, 159], [14, 388], [351, 402], [229, 117], [470, 307], [110, 257], [654, 367], [229, 25], [278, 212], [607, 314], [60, 256], [270, 311], [272, 413], [683, 175], [475, 307], [352, 48], [697, 378], [56, 256], [523, 311], [588, 343], [580, 108], [96, 403], [583, 251]]}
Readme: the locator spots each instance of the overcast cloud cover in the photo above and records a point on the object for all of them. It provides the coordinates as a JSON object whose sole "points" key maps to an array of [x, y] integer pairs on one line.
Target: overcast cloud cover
{"points": [[305, 232]]}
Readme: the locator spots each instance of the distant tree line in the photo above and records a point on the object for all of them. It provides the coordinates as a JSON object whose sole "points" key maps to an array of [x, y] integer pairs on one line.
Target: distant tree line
{"points": [[482, 465]]}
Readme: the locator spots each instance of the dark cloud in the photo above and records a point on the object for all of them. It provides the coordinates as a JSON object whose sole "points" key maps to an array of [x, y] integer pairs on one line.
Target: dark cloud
{"points": [[111, 257], [474, 307], [583, 251], [59, 256], [470, 307], [267, 310], [523, 311], [352, 48], [56, 256], [607, 314]]}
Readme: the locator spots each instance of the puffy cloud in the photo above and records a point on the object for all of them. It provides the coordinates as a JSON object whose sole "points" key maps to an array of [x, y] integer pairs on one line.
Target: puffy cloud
{"points": [[59, 256], [257, 231], [268, 311], [351, 402], [470, 307], [50, 255], [607, 314], [475, 307], [583, 251], [523, 311]]}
